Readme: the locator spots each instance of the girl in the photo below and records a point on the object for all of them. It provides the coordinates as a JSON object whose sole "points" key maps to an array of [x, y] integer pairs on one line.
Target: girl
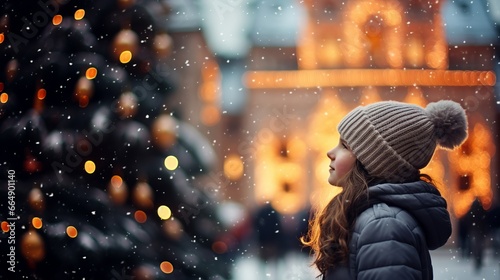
{"points": [[388, 215]]}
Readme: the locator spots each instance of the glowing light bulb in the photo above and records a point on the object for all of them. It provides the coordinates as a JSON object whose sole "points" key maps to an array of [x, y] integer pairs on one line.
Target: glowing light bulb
{"points": [[41, 94], [166, 267], [91, 73], [171, 163], [89, 167], [140, 216], [37, 222], [71, 231], [164, 212], [57, 19], [4, 97], [79, 14], [125, 57]]}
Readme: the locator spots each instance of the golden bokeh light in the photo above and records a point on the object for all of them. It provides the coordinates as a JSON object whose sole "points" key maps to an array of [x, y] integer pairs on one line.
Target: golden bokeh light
{"points": [[4, 97], [89, 167], [366, 77], [125, 57], [166, 267], [116, 181], [233, 167], [171, 163], [164, 131], [37, 222], [36, 199], [32, 247], [71, 231], [91, 73], [210, 115], [57, 19], [79, 14], [164, 212], [142, 196], [117, 190]]}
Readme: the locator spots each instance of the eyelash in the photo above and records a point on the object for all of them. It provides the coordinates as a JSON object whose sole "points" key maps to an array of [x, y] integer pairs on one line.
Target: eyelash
{"points": [[344, 145]]}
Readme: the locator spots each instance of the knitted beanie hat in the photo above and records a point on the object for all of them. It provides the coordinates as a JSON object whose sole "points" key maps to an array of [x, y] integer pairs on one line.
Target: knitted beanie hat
{"points": [[394, 140]]}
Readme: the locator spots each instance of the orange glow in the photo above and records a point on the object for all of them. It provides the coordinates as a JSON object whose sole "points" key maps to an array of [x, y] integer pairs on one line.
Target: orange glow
{"points": [[32, 247], [125, 57], [233, 167], [57, 19], [41, 94], [321, 138], [89, 167], [2, 37], [140, 216], [116, 181], [366, 77], [5, 226], [209, 92], [210, 115], [166, 267], [117, 190], [79, 14], [83, 101], [278, 178], [91, 73], [71, 231], [37, 223], [4, 97], [473, 163]]}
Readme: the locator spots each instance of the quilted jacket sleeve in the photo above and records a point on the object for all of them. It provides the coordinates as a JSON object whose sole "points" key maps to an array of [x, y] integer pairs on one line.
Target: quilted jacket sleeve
{"points": [[385, 245]]}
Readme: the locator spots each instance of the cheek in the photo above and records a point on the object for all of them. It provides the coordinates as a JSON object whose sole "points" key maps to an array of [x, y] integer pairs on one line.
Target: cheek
{"points": [[346, 165]]}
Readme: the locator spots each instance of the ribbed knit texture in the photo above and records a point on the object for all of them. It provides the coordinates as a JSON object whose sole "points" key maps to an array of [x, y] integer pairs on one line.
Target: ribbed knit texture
{"points": [[392, 140]]}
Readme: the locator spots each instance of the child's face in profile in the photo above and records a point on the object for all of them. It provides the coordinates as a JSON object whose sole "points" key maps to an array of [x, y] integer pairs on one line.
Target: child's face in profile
{"points": [[342, 161]]}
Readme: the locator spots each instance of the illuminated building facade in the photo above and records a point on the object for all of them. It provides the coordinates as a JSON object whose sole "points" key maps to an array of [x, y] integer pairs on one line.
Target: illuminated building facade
{"points": [[352, 53]]}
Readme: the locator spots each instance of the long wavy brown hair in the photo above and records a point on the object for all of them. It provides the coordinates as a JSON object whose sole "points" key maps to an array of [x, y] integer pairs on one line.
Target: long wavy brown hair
{"points": [[330, 227], [328, 234]]}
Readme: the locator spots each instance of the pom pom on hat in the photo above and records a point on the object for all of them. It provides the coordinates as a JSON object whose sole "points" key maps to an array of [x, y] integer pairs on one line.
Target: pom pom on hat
{"points": [[450, 123], [394, 140]]}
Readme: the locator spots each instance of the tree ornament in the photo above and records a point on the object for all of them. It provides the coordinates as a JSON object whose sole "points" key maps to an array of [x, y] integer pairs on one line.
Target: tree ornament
{"points": [[163, 45], [173, 229], [36, 199], [125, 40], [117, 190], [142, 196], [164, 131], [127, 105], [125, 4], [84, 90], [12, 69], [32, 247]]}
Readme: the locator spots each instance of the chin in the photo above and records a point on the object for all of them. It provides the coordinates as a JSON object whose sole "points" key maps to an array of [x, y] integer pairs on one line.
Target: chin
{"points": [[332, 181]]}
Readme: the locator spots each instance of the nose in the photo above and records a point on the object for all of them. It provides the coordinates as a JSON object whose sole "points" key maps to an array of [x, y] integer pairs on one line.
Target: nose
{"points": [[330, 154]]}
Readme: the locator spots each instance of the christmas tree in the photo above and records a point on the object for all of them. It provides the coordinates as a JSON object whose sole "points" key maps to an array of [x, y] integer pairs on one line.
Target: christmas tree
{"points": [[98, 169]]}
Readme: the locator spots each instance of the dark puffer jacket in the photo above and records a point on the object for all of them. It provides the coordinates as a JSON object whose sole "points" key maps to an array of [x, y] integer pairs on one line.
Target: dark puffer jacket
{"points": [[392, 238]]}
